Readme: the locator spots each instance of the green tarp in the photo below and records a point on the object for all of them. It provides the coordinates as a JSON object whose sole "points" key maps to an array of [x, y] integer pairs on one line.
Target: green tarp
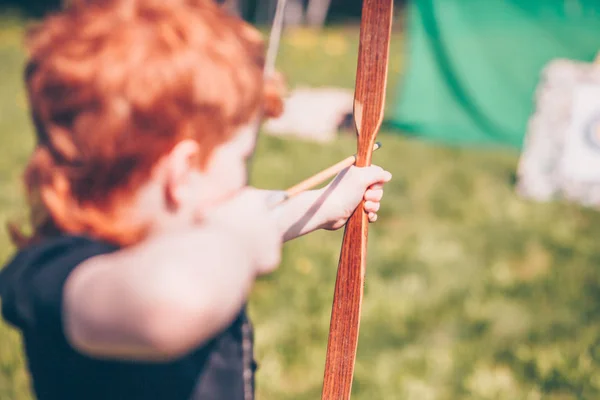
{"points": [[473, 65]]}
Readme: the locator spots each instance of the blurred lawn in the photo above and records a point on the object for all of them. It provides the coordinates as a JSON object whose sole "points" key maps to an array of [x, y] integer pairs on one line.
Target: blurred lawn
{"points": [[471, 293]]}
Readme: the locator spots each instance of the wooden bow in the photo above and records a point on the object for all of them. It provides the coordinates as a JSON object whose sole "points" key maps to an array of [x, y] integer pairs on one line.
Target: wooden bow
{"points": [[369, 102]]}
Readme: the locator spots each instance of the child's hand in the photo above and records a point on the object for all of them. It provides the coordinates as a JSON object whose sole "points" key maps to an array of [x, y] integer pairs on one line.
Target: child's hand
{"points": [[247, 217], [346, 191]]}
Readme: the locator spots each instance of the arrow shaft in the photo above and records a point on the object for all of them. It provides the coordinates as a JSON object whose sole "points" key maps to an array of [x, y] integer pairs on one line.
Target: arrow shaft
{"points": [[315, 180]]}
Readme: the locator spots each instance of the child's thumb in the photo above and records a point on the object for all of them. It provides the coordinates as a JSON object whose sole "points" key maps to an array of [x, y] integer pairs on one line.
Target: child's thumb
{"points": [[375, 174]]}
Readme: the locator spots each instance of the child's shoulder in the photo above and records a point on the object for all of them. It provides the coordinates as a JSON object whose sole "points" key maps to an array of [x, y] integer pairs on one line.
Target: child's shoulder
{"points": [[62, 248], [31, 282]]}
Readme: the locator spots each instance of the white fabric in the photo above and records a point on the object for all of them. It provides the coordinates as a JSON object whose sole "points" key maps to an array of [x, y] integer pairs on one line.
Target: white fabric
{"points": [[313, 114]]}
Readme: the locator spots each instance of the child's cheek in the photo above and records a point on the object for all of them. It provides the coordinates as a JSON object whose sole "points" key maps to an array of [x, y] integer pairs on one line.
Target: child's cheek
{"points": [[238, 175], [233, 178]]}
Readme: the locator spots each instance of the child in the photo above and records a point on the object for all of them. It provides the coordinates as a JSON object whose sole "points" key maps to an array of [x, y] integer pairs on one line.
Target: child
{"points": [[146, 239]]}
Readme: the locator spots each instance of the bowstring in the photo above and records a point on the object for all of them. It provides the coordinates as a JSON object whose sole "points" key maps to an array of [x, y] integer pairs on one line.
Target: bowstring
{"points": [[268, 71], [269, 67]]}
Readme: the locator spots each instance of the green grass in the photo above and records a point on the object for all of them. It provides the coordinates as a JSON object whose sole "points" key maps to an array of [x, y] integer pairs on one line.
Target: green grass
{"points": [[471, 292], [15, 144]]}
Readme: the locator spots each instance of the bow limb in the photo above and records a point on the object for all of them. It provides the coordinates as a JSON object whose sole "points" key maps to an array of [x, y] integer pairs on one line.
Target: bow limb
{"points": [[369, 103]]}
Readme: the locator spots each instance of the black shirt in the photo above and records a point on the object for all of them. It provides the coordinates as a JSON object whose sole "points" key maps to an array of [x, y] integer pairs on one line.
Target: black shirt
{"points": [[31, 288]]}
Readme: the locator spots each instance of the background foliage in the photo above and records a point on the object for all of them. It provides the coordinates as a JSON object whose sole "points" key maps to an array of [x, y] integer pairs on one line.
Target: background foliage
{"points": [[471, 293]]}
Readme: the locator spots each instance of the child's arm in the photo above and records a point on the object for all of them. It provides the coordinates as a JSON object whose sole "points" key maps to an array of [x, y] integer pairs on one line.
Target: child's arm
{"points": [[164, 297], [331, 206]]}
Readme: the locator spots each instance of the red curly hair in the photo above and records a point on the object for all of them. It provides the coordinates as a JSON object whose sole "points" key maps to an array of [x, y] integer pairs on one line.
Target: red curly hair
{"points": [[113, 85]]}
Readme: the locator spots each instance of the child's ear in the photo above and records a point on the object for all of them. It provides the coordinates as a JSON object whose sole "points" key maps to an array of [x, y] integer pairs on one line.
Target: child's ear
{"points": [[275, 90], [180, 164]]}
